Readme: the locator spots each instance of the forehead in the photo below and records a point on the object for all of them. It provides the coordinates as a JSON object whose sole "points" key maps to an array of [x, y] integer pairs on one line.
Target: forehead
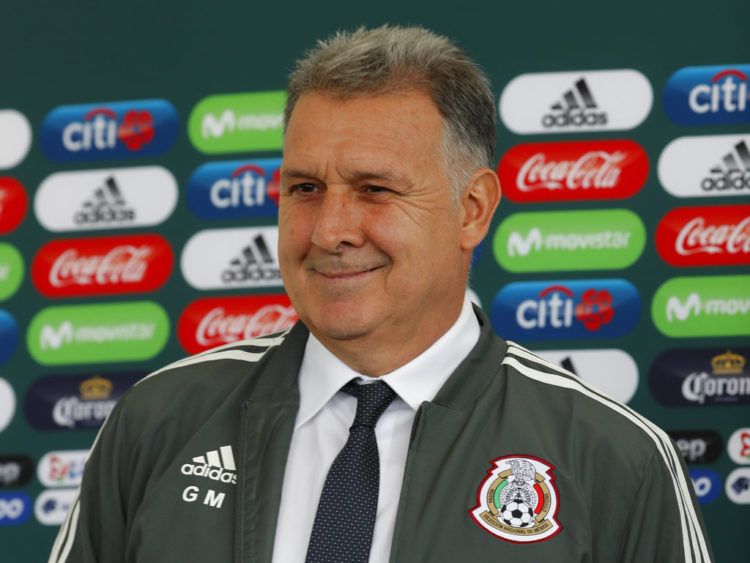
{"points": [[401, 126]]}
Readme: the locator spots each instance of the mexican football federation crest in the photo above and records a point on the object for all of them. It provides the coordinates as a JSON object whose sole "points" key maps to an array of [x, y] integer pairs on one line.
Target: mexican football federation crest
{"points": [[518, 500]]}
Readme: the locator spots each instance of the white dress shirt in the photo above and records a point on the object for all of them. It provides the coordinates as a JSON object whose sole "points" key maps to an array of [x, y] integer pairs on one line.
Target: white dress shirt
{"points": [[322, 428]]}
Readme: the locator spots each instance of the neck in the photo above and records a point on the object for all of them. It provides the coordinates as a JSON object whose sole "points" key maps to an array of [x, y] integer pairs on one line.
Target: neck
{"points": [[380, 354]]}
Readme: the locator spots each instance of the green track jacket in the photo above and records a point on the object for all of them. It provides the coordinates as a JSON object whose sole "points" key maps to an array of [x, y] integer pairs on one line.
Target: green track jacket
{"points": [[514, 460]]}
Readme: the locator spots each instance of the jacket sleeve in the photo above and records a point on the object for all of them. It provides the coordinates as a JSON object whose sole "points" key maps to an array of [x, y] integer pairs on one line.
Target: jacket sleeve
{"points": [[664, 522], [94, 530]]}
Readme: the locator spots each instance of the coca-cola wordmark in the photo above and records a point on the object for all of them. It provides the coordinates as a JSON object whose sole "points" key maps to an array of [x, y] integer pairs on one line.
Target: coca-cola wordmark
{"points": [[705, 236], [102, 266], [214, 321], [573, 171]]}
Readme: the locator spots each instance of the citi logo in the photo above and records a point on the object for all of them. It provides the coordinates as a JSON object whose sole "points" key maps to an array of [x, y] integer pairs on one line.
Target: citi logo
{"points": [[576, 109], [217, 465], [727, 91], [255, 262], [732, 173], [588, 101], [565, 309], [708, 94], [117, 129], [239, 257], [235, 189]]}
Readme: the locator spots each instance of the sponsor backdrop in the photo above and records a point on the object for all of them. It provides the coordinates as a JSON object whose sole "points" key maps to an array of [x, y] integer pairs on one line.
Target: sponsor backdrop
{"points": [[139, 157]]}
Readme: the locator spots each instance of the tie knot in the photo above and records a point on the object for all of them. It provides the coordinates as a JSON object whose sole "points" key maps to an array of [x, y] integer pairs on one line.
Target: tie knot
{"points": [[372, 400]]}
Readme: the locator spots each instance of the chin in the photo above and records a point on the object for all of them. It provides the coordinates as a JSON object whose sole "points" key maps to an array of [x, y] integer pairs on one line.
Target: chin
{"points": [[332, 325]]}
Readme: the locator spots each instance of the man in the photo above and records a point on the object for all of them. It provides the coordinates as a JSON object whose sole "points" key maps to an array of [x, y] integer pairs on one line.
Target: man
{"points": [[474, 449]]}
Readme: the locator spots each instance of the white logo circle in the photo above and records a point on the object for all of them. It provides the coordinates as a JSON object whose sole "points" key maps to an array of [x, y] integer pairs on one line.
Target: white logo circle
{"points": [[7, 404], [738, 446], [15, 137]]}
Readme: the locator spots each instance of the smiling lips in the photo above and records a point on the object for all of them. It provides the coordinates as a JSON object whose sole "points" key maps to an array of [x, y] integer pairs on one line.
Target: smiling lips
{"points": [[343, 274]]}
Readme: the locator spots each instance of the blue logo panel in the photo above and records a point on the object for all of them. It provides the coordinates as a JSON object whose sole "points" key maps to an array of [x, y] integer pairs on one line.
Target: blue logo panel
{"points": [[109, 130], [236, 189], [709, 95], [8, 335], [566, 309], [15, 508], [75, 402], [694, 377], [706, 484]]}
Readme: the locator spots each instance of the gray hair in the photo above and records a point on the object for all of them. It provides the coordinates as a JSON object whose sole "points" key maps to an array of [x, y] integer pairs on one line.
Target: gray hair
{"points": [[391, 59]]}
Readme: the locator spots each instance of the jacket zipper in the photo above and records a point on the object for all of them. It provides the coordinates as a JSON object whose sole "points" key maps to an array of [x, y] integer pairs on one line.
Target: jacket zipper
{"points": [[415, 429], [239, 508]]}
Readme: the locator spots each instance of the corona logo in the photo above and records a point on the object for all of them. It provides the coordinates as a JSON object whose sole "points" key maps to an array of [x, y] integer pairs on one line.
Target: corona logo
{"points": [[96, 388], [728, 364]]}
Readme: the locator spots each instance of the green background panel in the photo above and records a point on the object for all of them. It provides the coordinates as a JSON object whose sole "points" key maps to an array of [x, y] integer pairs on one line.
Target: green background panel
{"points": [[56, 53]]}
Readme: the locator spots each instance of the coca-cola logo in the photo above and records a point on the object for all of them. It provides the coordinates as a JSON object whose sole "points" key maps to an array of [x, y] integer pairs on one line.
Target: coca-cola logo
{"points": [[214, 321], [573, 171], [102, 266], [705, 236], [13, 204]]}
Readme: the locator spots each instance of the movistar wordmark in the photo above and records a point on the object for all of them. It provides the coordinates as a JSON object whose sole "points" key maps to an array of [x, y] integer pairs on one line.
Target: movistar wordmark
{"points": [[703, 306], [241, 122], [107, 332], [551, 241]]}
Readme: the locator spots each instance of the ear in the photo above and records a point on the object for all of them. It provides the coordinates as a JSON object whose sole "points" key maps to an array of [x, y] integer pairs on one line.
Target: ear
{"points": [[479, 200]]}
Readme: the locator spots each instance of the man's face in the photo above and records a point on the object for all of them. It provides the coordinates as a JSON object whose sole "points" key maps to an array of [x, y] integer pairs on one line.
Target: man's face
{"points": [[369, 237]]}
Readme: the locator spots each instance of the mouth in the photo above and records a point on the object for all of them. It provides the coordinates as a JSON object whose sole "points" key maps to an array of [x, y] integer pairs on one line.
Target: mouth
{"points": [[346, 274]]}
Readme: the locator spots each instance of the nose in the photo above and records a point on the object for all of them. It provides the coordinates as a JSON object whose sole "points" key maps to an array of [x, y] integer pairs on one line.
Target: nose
{"points": [[338, 222]]}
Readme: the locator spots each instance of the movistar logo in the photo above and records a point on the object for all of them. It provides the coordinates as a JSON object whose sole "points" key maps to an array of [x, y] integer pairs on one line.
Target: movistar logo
{"points": [[679, 310], [96, 333], [238, 122], [214, 126], [565, 240], [519, 245], [703, 306]]}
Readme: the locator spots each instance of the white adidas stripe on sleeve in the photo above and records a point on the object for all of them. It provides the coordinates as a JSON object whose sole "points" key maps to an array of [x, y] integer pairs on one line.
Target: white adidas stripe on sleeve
{"points": [[691, 531], [66, 536]]}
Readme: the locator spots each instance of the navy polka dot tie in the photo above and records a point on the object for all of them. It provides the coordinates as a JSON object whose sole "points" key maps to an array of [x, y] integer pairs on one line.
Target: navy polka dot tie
{"points": [[343, 526]]}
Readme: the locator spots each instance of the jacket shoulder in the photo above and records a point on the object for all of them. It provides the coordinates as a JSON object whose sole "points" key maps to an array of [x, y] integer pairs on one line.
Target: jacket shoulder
{"points": [[592, 413], [202, 382]]}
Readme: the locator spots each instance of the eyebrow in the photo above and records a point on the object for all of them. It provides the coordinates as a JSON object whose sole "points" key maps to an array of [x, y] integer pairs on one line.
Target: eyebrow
{"points": [[353, 175]]}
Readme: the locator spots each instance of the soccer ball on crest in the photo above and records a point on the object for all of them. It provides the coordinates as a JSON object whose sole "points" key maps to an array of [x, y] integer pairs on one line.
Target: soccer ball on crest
{"points": [[517, 514]]}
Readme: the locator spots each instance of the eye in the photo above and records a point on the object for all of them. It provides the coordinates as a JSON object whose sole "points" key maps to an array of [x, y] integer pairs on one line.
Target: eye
{"points": [[370, 189], [303, 188]]}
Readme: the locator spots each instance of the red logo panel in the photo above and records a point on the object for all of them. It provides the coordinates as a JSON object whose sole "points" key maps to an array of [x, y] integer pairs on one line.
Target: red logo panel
{"points": [[13, 204], [705, 236], [102, 266], [214, 321], [573, 171]]}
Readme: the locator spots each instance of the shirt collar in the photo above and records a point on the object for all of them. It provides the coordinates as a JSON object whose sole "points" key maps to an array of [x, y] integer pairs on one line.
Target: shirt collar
{"points": [[322, 374]]}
